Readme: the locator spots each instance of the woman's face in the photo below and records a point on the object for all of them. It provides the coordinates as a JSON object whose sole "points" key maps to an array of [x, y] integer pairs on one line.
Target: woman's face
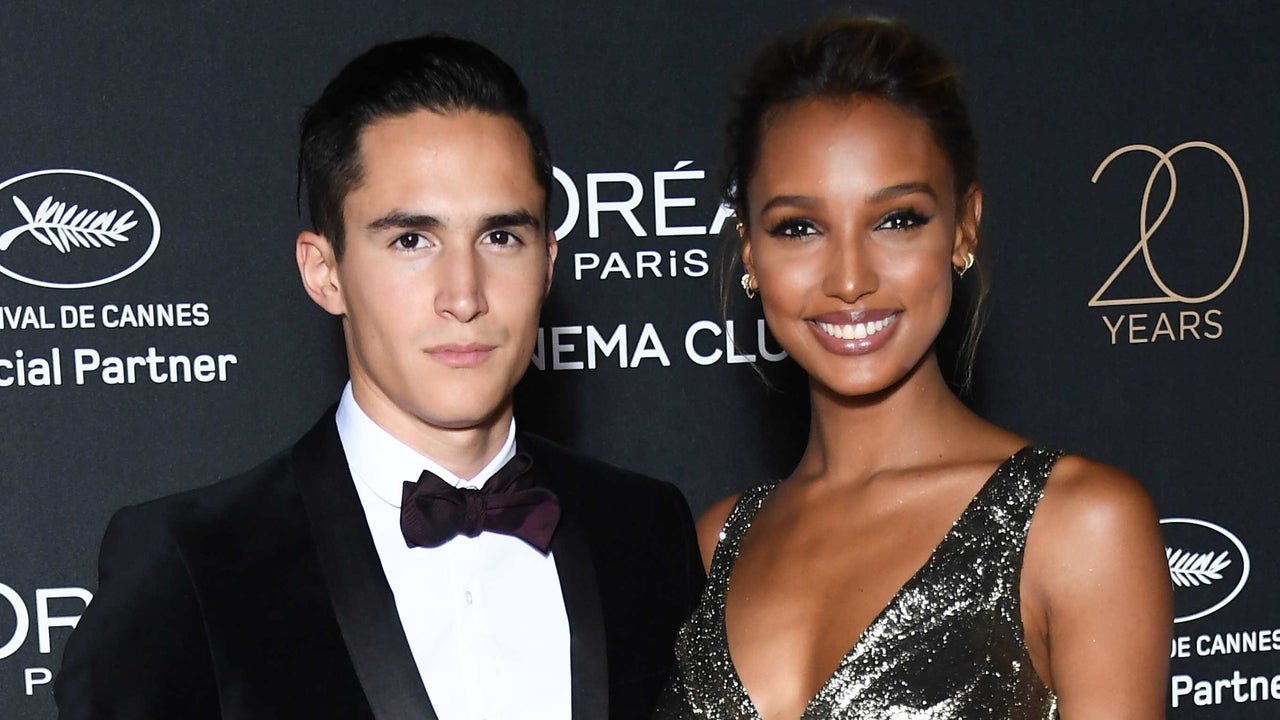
{"points": [[853, 234]]}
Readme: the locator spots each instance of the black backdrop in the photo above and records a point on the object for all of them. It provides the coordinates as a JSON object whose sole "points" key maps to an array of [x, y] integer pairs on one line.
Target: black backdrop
{"points": [[1167, 369]]}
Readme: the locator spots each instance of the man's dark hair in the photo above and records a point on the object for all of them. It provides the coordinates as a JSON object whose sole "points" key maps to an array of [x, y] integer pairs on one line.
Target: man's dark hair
{"points": [[438, 73]]}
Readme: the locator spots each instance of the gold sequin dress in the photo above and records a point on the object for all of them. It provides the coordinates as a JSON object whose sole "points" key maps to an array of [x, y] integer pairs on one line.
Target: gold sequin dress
{"points": [[948, 646]]}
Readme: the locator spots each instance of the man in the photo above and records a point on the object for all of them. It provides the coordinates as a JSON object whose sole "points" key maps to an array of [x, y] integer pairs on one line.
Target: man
{"points": [[347, 577]]}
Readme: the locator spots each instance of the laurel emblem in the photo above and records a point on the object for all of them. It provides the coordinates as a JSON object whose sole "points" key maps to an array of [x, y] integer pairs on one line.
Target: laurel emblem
{"points": [[1195, 569], [62, 227]]}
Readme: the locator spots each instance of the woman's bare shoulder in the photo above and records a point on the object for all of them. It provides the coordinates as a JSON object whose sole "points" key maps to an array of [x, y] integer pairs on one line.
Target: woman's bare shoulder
{"points": [[1095, 531], [1084, 497]]}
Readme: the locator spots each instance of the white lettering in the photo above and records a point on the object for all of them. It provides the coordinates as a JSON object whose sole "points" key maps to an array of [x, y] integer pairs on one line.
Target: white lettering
{"points": [[762, 331], [74, 316], [649, 346], [22, 621], [731, 347], [710, 358], [584, 261], [615, 264], [571, 194], [625, 208], [596, 341], [1182, 685], [661, 202], [36, 676], [159, 369], [723, 212], [696, 262], [558, 348], [1181, 647], [44, 620]]}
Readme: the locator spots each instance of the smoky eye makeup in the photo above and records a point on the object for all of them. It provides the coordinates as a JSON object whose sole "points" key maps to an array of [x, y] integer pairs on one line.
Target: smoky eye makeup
{"points": [[792, 227], [904, 219]]}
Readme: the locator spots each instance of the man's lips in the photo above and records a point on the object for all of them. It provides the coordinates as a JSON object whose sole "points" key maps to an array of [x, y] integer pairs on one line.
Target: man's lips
{"points": [[461, 355]]}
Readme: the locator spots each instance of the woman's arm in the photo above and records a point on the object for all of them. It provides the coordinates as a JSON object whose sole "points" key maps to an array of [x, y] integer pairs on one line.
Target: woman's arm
{"points": [[1095, 568]]}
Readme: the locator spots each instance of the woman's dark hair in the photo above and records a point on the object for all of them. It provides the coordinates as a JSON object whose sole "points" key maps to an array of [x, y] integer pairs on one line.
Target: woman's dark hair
{"points": [[851, 57], [439, 73]]}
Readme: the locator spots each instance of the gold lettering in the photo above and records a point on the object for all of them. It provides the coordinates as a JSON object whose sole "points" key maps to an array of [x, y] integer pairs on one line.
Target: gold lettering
{"points": [[1188, 321], [1135, 328], [1209, 320], [1113, 328], [1163, 327], [1149, 226]]}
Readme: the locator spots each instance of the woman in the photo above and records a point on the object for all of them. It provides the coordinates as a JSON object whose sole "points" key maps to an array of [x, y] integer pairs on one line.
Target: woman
{"points": [[897, 572]]}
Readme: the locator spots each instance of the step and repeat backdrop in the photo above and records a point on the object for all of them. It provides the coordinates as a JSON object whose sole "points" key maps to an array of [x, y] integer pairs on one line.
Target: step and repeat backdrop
{"points": [[1130, 161]]}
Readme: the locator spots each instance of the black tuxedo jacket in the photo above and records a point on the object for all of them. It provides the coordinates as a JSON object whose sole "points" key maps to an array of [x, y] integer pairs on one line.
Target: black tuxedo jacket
{"points": [[262, 596]]}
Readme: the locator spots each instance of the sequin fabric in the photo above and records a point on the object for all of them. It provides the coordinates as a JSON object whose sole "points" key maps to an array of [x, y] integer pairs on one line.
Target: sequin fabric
{"points": [[949, 645]]}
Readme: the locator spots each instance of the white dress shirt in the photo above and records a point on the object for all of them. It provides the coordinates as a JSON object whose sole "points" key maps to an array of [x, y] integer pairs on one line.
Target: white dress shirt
{"points": [[484, 616]]}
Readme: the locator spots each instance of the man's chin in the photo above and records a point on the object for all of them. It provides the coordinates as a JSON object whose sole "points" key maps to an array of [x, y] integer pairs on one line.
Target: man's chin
{"points": [[466, 416]]}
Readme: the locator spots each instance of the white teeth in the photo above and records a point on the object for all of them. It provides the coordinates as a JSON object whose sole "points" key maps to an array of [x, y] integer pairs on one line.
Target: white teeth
{"points": [[856, 331]]}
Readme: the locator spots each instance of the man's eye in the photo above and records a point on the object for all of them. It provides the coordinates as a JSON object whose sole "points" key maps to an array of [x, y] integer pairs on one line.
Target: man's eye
{"points": [[411, 241], [502, 238]]}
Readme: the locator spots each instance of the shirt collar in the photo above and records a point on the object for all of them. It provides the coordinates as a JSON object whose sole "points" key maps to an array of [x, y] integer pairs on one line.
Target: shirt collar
{"points": [[382, 463]]}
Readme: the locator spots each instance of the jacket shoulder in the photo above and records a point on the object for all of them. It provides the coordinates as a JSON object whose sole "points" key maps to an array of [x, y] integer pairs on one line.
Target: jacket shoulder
{"points": [[252, 491], [571, 471]]}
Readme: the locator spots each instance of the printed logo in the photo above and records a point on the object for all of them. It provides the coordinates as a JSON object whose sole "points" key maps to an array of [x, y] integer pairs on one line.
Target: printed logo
{"points": [[1147, 227], [1208, 564], [73, 229], [1188, 250]]}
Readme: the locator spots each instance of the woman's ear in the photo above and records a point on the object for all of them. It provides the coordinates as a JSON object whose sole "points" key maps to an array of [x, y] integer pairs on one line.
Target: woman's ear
{"points": [[744, 247], [967, 222]]}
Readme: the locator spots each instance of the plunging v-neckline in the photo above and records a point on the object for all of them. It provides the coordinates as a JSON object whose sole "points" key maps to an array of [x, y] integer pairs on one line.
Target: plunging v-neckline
{"points": [[879, 617]]}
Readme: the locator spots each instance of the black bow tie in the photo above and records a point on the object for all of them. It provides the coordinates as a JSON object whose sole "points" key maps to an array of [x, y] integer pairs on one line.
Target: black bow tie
{"points": [[432, 511]]}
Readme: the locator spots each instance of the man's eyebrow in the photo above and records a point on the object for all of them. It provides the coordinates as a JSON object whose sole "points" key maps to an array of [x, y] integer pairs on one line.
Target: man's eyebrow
{"points": [[404, 220], [398, 220], [513, 219]]}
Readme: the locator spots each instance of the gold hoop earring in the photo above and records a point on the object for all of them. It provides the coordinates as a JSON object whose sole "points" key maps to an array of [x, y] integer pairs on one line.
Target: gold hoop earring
{"points": [[968, 263], [749, 285]]}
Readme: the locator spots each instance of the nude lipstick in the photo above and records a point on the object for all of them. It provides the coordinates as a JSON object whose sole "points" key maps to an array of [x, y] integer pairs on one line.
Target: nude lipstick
{"points": [[854, 332]]}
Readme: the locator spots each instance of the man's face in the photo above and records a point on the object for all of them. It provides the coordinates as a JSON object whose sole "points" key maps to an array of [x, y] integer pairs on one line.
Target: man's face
{"points": [[446, 262]]}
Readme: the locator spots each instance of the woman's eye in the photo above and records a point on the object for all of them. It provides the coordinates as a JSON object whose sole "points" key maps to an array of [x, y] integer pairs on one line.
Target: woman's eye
{"points": [[793, 229], [902, 220], [411, 241]]}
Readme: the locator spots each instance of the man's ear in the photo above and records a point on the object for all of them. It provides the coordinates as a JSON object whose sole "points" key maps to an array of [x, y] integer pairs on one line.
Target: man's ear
{"points": [[318, 266], [553, 249]]}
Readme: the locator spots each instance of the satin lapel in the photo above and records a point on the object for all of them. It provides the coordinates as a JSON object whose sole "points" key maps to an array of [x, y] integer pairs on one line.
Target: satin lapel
{"points": [[362, 599], [588, 661]]}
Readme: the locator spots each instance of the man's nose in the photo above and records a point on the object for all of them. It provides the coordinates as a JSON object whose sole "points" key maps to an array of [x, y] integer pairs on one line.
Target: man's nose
{"points": [[460, 285]]}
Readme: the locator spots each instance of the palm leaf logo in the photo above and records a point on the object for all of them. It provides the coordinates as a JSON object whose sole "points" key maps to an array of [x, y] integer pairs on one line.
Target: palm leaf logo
{"points": [[1189, 569], [63, 228]]}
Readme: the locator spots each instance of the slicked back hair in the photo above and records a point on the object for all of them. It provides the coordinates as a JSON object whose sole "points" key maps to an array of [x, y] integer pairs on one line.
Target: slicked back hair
{"points": [[439, 73]]}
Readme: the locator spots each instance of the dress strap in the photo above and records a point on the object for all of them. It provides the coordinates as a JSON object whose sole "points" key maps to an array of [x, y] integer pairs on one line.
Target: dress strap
{"points": [[731, 533], [1017, 488]]}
